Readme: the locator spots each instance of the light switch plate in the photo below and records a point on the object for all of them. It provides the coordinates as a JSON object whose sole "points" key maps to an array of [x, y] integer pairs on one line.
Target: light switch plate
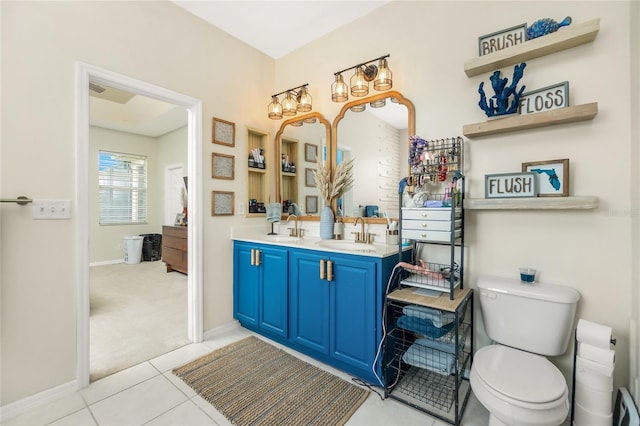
{"points": [[51, 209]]}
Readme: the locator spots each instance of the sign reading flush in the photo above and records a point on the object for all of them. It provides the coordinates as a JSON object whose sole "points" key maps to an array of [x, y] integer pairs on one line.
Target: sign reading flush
{"points": [[510, 185]]}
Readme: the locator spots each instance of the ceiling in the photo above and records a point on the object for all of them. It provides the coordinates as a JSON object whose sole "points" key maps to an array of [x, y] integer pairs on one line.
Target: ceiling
{"points": [[275, 28]]}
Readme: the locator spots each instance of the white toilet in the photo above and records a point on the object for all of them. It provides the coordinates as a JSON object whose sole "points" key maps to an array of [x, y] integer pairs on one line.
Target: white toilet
{"points": [[512, 378]]}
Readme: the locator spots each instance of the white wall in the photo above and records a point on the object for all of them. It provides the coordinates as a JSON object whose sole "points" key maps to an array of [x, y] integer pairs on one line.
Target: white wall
{"points": [[634, 159], [592, 251], [156, 42], [172, 150]]}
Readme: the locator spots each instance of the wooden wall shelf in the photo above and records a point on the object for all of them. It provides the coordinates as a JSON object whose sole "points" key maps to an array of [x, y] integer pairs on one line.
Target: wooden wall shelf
{"points": [[517, 122], [565, 38], [538, 203]]}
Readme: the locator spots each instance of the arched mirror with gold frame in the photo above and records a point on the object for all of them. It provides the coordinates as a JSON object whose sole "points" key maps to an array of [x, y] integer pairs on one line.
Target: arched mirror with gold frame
{"points": [[301, 145], [379, 147]]}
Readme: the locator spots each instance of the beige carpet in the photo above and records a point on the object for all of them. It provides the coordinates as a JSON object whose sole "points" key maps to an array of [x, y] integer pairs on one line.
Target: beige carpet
{"points": [[138, 312], [254, 383]]}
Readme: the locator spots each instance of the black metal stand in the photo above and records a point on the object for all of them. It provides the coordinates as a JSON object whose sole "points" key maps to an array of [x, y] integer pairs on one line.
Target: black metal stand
{"points": [[272, 233]]}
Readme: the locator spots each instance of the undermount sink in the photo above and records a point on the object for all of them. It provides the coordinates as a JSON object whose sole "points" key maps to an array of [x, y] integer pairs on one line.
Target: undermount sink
{"points": [[281, 238], [346, 245]]}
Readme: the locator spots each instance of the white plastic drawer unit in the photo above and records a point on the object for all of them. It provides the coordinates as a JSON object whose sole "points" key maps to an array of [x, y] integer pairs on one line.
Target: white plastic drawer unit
{"points": [[430, 224], [429, 214]]}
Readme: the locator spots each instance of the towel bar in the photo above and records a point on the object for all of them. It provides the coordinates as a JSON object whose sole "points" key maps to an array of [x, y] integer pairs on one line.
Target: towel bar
{"points": [[21, 200]]}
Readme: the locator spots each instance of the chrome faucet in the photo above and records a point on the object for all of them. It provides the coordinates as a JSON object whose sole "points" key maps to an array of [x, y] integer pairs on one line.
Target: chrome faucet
{"points": [[361, 237], [293, 232]]}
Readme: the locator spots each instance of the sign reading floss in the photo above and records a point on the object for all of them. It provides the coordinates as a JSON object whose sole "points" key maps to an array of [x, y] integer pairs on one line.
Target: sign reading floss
{"points": [[545, 99], [510, 185]]}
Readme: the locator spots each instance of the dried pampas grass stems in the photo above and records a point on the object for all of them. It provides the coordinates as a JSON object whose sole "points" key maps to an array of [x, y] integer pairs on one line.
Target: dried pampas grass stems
{"points": [[342, 181]]}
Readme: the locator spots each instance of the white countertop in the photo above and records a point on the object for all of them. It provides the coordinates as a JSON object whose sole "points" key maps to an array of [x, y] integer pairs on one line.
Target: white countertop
{"points": [[315, 243]]}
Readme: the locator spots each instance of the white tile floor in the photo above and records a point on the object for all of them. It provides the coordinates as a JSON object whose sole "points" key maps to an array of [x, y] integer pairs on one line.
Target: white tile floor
{"points": [[149, 394]]}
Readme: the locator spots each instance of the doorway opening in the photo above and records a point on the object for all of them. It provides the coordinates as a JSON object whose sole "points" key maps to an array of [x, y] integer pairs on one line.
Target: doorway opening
{"points": [[88, 74]]}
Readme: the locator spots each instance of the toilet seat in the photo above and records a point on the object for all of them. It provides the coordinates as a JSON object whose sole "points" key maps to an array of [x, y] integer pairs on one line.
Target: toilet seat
{"points": [[506, 369], [497, 384]]}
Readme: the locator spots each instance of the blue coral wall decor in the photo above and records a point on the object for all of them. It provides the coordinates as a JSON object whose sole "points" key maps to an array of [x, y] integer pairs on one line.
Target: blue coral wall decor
{"points": [[506, 99]]}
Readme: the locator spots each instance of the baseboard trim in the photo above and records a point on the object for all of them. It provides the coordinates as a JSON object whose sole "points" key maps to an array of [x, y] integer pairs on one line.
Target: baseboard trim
{"points": [[106, 262], [25, 404], [221, 329]]}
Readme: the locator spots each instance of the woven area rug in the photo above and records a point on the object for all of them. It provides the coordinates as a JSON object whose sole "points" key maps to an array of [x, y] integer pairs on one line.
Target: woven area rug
{"points": [[254, 383]]}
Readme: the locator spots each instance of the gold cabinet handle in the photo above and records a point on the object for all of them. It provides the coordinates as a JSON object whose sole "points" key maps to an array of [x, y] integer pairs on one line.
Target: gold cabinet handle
{"points": [[322, 272], [424, 225], [329, 270], [423, 235], [255, 257]]}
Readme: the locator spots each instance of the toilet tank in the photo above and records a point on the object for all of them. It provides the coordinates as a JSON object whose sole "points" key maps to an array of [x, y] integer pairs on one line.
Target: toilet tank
{"points": [[535, 317]]}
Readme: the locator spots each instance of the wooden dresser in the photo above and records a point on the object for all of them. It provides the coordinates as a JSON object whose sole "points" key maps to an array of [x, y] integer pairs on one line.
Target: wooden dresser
{"points": [[174, 248]]}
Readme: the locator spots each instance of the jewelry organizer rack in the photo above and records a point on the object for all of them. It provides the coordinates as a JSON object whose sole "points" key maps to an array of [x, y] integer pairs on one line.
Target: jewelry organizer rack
{"points": [[432, 161]]}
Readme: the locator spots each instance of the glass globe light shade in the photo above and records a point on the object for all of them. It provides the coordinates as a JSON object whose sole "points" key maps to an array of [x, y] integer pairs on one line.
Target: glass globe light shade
{"points": [[359, 85], [339, 90], [275, 109], [383, 80]]}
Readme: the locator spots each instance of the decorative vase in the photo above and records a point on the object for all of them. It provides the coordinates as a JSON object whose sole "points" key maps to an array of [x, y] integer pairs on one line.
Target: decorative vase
{"points": [[326, 223]]}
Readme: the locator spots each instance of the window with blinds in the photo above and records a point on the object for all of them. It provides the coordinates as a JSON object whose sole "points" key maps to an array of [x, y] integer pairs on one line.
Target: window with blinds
{"points": [[122, 181]]}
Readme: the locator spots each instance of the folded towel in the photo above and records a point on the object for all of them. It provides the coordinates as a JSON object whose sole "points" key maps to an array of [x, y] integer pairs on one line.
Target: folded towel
{"points": [[433, 203], [274, 212], [438, 318], [431, 359], [436, 344], [423, 326]]}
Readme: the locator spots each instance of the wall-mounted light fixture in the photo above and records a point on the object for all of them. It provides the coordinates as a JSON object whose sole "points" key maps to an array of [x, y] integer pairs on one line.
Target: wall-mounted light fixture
{"points": [[364, 73], [294, 101]]}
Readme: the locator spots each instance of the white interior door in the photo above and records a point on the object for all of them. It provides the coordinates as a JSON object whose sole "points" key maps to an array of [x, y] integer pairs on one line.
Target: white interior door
{"points": [[173, 186]]}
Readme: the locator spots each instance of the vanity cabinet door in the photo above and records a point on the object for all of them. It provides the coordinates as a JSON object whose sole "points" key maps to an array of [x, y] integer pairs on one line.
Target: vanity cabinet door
{"points": [[260, 290], [353, 311], [246, 284], [274, 291], [309, 301]]}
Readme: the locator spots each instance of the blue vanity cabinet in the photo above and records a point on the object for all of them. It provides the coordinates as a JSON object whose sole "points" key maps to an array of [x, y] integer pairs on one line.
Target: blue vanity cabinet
{"points": [[334, 307], [260, 291]]}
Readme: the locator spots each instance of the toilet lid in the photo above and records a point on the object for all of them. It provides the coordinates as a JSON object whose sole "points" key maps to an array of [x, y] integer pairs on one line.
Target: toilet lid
{"points": [[519, 375]]}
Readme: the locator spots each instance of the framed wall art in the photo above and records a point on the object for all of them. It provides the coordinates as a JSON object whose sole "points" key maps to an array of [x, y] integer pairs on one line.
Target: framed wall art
{"points": [[309, 180], [310, 152], [222, 166], [224, 132], [311, 204], [552, 177], [222, 203]]}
